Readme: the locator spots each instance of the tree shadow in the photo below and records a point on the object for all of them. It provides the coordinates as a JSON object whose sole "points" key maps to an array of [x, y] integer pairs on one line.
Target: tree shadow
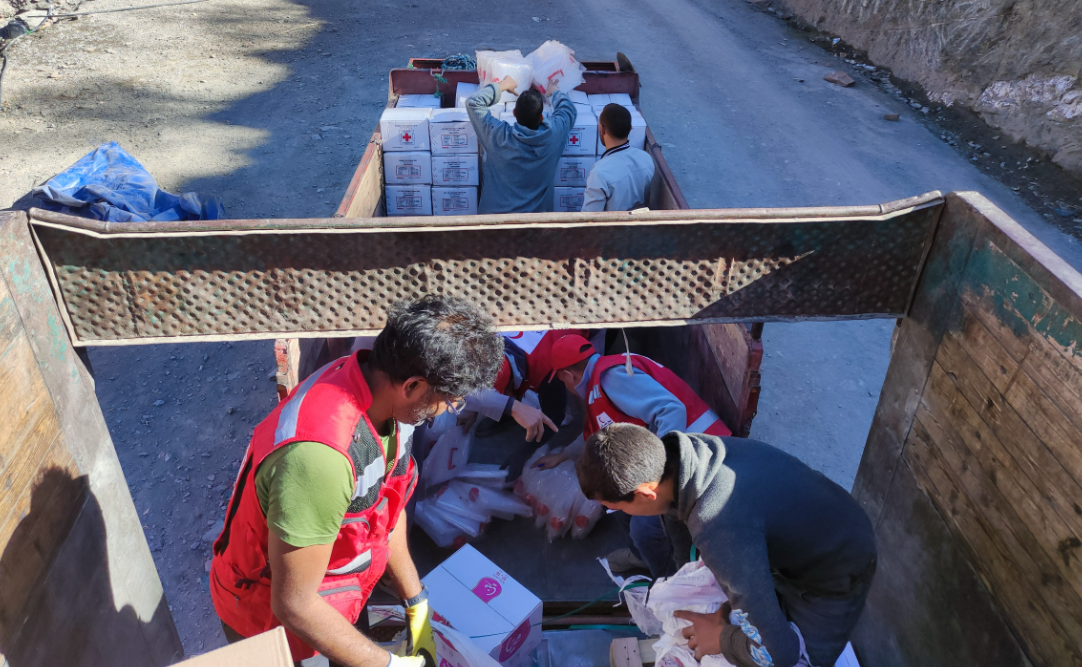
{"points": [[56, 594]]}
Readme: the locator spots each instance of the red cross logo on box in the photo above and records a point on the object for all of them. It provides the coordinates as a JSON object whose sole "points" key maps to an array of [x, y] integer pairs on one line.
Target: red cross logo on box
{"points": [[573, 139], [406, 136]]}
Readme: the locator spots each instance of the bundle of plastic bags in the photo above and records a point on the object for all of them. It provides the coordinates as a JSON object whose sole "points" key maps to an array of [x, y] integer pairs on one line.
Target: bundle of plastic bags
{"points": [[692, 588], [555, 68], [447, 447], [556, 499], [493, 66]]}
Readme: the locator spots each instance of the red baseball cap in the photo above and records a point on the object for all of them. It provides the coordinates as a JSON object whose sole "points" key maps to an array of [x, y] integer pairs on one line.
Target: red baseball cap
{"points": [[568, 351]]}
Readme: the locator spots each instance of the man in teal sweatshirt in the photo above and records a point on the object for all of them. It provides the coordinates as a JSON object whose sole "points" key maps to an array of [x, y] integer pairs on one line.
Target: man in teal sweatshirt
{"points": [[520, 159]]}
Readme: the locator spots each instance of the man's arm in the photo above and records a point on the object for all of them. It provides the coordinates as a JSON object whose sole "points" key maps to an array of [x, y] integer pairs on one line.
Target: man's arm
{"points": [[400, 567], [756, 632], [564, 113], [484, 124], [597, 192], [296, 602], [643, 397]]}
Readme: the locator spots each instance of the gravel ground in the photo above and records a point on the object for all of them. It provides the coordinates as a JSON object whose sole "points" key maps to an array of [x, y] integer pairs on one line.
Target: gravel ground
{"points": [[269, 104]]}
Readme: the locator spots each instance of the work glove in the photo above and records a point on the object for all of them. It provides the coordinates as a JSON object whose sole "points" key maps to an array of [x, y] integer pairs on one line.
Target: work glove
{"points": [[408, 661], [421, 643]]}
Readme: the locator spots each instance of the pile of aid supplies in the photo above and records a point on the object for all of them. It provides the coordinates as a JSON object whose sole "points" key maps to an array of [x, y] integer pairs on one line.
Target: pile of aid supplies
{"points": [[460, 499]]}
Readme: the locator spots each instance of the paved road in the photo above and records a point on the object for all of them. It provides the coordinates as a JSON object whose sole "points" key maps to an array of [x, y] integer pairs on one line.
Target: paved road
{"points": [[721, 90]]}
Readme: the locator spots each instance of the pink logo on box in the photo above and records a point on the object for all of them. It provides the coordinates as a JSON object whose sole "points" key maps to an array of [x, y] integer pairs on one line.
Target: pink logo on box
{"points": [[487, 589], [515, 640]]}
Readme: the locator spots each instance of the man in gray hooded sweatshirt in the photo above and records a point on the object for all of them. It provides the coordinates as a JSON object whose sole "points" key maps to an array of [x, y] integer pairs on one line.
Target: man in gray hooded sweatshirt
{"points": [[793, 551], [520, 159]]}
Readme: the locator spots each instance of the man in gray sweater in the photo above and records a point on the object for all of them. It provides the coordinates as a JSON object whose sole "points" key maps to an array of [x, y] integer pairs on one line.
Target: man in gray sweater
{"points": [[794, 553], [520, 159]]}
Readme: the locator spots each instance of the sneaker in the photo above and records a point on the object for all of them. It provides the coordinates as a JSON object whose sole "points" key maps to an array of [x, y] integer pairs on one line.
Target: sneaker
{"points": [[625, 560], [486, 428]]}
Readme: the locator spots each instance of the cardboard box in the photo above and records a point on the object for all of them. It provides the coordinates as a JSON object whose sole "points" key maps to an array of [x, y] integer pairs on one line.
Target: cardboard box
{"points": [[405, 129], [407, 167], [637, 138], [269, 649], [455, 170], [571, 171], [584, 110], [418, 102], [579, 97], [568, 200], [450, 131], [464, 90], [623, 99], [408, 199], [460, 200], [582, 140], [481, 601]]}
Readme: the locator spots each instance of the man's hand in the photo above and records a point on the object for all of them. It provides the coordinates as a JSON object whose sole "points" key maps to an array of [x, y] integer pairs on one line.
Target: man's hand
{"points": [[531, 419], [704, 633], [466, 421], [550, 461], [421, 643], [508, 84]]}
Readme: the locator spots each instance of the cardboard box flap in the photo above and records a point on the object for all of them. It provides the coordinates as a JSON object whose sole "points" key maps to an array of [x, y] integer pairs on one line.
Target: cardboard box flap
{"points": [[406, 114], [453, 115], [269, 649]]}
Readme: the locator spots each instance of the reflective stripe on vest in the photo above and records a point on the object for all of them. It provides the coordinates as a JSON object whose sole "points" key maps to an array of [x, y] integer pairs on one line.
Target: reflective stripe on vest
{"points": [[362, 560], [287, 417]]}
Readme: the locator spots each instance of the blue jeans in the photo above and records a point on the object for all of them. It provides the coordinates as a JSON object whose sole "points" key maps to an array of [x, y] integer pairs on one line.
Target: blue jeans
{"points": [[651, 543]]}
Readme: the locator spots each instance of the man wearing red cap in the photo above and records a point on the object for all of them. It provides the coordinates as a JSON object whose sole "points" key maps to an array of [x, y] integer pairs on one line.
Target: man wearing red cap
{"points": [[631, 389]]}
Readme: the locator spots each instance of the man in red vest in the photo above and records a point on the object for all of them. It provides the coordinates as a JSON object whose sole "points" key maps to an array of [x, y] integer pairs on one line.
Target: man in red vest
{"points": [[631, 389], [318, 511]]}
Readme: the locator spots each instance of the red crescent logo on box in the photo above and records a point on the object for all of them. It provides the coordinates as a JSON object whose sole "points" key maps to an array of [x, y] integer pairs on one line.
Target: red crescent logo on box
{"points": [[487, 589], [515, 640]]}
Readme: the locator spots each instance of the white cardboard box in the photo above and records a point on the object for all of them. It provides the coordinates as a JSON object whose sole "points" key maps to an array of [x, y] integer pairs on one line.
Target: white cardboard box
{"points": [[579, 97], [407, 167], [568, 200], [418, 101], [455, 170], [599, 99], [582, 140], [461, 200], [623, 99], [451, 132], [584, 109], [408, 199], [481, 601], [571, 170], [464, 90], [405, 129], [637, 138]]}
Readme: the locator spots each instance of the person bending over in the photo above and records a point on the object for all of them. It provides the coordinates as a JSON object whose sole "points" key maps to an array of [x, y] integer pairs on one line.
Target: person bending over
{"points": [[318, 512], [792, 550]]}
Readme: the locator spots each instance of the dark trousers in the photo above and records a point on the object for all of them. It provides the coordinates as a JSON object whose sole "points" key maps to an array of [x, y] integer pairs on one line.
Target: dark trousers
{"points": [[825, 621]]}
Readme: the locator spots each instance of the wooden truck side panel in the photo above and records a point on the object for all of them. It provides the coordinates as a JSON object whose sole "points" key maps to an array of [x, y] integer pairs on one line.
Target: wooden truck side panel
{"points": [[973, 465], [78, 585]]}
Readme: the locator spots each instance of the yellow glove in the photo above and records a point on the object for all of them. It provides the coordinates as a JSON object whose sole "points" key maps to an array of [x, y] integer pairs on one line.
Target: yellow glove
{"points": [[421, 643]]}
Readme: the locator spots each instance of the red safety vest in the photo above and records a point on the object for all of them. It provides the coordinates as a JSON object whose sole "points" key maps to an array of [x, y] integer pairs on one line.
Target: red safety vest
{"points": [[600, 411], [328, 407], [538, 363]]}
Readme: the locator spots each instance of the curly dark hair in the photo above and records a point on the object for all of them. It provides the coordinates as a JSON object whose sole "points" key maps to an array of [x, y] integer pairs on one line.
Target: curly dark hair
{"points": [[447, 340]]}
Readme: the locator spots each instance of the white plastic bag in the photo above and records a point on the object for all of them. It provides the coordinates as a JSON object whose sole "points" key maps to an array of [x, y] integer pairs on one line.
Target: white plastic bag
{"points": [[448, 456], [493, 66], [483, 474], [635, 599], [692, 588], [452, 506], [562, 487], [529, 472], [496, 503], [584, 516], [555, 68], [442, 532]]}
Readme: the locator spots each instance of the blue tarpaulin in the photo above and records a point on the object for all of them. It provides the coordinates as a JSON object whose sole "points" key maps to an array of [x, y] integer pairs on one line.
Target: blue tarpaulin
{"points": [[109, 184]]}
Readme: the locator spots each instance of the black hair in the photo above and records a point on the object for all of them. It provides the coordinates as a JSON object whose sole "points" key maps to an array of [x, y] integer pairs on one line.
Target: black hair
{"points": [[617, 459], [447, 340], [616, 120], [530, 109]]}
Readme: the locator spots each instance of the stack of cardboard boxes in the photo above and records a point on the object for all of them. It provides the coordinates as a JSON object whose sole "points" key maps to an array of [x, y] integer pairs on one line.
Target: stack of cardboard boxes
{"points": [[431, 156], [430, 164]]}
